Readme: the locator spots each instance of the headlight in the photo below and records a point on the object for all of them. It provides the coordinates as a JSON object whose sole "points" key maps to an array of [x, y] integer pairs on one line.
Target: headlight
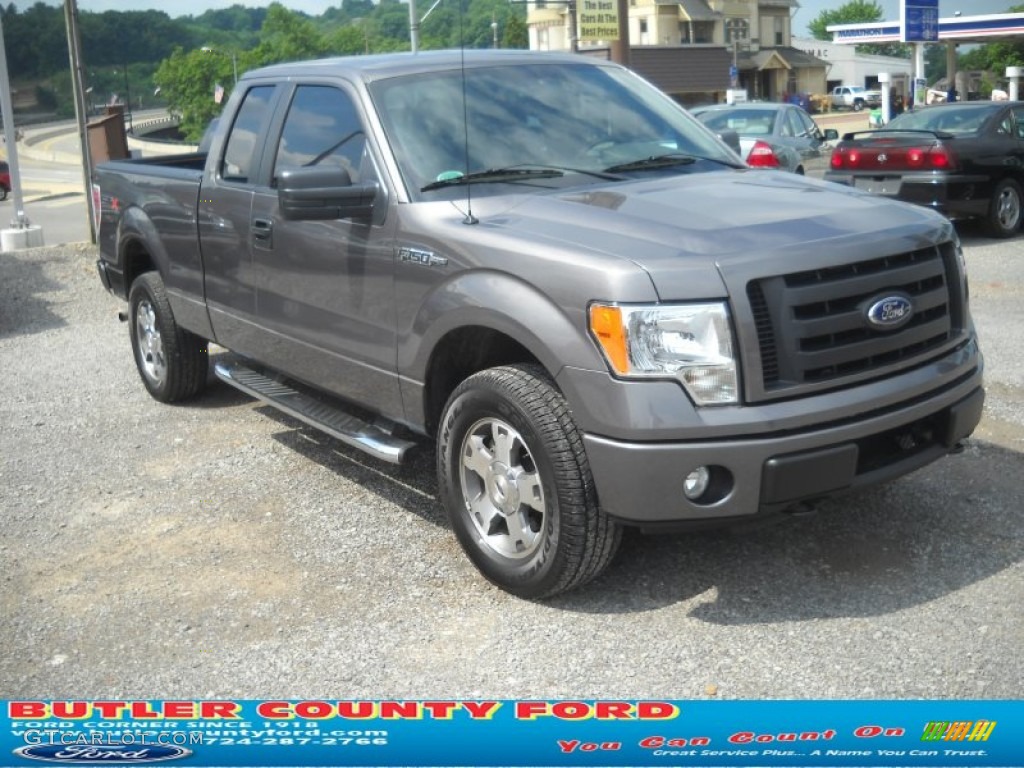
{"points": [[689, 342]]}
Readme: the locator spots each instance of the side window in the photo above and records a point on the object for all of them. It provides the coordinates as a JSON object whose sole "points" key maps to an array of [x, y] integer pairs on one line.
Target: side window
{"points": [[322, 128], [786, 123], [1018, 118], [805, 126], [240, 155]]}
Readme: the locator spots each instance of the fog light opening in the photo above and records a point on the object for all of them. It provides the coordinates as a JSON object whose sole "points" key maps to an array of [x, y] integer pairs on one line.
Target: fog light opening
{"points": [[696, 483], [707, 485]]}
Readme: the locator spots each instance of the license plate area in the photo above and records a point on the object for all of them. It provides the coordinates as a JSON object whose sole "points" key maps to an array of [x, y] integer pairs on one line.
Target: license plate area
{"points": [[879, 185]]}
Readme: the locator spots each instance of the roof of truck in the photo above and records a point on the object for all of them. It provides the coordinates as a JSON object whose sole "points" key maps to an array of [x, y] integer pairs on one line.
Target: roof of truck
{"points": [[377, 66]]}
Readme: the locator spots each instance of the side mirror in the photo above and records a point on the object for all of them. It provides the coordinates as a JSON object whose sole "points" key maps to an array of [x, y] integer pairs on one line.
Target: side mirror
{"points": [[732, 138], [321, 193], [831, 134]]}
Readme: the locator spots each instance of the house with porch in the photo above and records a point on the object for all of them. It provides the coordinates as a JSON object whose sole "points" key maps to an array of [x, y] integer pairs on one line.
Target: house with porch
{"points": [[694, 44]]}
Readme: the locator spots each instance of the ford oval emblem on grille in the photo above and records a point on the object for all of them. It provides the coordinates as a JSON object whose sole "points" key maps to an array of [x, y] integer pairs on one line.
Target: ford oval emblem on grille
{"points": [[889, 312]]}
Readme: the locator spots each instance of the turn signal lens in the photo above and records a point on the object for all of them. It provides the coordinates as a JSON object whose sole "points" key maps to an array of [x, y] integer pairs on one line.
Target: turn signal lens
{"points": [[606, 325]]}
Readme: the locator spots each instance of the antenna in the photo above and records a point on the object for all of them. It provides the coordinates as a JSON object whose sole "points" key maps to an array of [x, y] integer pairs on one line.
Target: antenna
{"points": [[470, 218]]}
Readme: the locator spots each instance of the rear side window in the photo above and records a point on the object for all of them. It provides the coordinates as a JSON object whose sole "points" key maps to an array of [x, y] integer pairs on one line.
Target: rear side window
{"points": [[240, 156], [322, 128]]}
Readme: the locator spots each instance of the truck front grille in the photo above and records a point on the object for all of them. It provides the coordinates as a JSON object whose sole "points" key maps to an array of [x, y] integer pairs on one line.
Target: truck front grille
{"points": [[812, 326]]}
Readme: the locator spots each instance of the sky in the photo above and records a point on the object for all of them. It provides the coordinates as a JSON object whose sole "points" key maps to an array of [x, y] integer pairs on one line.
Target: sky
{"points": [[809, 9]]}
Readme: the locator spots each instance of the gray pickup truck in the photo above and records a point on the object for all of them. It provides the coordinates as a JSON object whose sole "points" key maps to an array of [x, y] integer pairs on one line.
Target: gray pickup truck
{"points": [[541, 262]]}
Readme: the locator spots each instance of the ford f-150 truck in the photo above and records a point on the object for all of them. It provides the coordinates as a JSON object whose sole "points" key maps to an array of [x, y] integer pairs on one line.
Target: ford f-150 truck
{"points": [[545, 265]]}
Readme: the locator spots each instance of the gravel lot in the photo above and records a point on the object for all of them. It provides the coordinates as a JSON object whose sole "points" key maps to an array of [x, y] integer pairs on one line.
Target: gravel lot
{"points": [[218, 549]]}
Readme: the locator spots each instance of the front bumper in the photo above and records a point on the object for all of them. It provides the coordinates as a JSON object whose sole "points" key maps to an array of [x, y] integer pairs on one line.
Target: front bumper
{"points": [[642, 483]]}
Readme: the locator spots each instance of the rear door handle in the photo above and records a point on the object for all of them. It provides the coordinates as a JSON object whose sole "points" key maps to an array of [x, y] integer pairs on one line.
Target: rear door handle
{"points": [[263, 232]]}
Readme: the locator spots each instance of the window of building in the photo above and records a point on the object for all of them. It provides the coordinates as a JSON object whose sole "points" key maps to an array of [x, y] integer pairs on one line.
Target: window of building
{"points": [[643, 26], [780, 30], [736, 30], [691, 32]]}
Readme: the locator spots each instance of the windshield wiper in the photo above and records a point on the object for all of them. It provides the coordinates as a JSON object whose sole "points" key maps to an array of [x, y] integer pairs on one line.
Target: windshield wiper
{"points": [[495, 175], [666, 161]]}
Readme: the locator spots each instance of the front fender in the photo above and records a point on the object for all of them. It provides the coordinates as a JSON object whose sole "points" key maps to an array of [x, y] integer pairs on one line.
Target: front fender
{"points": [[556, 336]]}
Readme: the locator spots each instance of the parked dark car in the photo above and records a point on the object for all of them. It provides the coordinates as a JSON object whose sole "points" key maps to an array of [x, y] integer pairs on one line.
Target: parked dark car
{"points": [[964, 159], [786, 129], [5, 180]]}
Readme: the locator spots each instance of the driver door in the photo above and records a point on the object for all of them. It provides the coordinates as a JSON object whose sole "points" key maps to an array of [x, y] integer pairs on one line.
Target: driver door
{"points": [[325, 289]]}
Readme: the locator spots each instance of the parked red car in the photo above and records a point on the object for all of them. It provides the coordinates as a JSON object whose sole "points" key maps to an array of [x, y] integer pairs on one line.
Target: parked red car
{"points": [[5, 180]]}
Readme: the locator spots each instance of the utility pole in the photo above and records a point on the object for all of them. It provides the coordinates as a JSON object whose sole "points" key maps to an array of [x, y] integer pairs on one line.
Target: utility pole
{"points": [[414, 27], [77, 87], [21, 234]]}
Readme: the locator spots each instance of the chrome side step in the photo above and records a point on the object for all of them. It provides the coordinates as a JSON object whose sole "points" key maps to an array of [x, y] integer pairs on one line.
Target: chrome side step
{"points": [[375, 439]]}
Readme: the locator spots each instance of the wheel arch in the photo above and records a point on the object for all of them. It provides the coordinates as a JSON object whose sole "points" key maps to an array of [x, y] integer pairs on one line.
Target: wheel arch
{"points": [[479, 321], [139, 247]]}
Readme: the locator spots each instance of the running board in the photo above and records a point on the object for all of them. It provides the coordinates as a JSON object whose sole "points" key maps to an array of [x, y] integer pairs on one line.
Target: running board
{"points": [[376, 439]]}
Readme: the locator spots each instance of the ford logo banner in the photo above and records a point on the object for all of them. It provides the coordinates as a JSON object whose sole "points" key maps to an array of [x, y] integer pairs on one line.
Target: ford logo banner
{"points": [[889, 312], [128, 754]]}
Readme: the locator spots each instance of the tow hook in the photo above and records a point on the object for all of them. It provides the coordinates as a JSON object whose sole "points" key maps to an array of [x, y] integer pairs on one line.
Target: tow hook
{"points": [[802, 509], [122, 316]]}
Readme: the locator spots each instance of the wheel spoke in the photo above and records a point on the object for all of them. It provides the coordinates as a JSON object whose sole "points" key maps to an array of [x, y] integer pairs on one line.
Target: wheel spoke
{"points": [[520, 535], [530, 491], [477, 457], [505, 441]]}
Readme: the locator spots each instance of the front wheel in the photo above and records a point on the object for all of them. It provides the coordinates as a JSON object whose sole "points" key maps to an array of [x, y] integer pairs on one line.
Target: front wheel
{"points": [[516, 483], [858, 105], [3, 192], [171, 361], [1004, 216]]}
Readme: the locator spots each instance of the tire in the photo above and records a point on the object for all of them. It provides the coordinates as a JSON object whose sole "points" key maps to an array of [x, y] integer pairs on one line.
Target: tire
{"points": [[3, 192], [1004, 212], [507, 434], [172, 361], [858, 105]]}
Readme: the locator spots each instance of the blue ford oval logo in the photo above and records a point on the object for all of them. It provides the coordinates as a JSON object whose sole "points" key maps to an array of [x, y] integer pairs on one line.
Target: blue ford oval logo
{"points": [[125, 754], [889, 312]]}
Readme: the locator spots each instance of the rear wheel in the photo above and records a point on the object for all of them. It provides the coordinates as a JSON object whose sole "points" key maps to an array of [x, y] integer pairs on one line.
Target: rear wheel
{"points": [[517, 485], [171, 361], [3, 192], [1004, 215]]}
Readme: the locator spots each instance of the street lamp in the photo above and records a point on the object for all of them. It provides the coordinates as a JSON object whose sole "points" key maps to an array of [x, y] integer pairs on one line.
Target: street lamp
{"points": [[234, 58], [494, 33]]}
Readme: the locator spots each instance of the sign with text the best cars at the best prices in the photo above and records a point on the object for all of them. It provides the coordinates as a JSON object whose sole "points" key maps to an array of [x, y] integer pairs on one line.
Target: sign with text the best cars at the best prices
{"points": [[925, 734], [598, 20]]}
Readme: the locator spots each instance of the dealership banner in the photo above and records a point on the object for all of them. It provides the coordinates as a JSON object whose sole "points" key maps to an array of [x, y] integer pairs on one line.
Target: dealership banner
{"points": [[481, 732]]}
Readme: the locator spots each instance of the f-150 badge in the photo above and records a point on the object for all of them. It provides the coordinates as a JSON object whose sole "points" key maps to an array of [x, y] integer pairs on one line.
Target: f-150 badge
{"points": [[423, 258]]}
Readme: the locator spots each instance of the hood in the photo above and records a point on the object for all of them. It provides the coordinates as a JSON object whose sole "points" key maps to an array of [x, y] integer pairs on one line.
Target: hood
{"points": [[676, 227]]}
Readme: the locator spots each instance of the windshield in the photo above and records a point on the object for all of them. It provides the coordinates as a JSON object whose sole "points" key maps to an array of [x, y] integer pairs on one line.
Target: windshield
{"points": [[746, 122], [954, 120], [580, 119]]}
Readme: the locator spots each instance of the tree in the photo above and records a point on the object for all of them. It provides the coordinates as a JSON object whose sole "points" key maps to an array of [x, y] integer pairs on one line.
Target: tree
{"points": [[187, 81], [856, 12], [516, 35]]}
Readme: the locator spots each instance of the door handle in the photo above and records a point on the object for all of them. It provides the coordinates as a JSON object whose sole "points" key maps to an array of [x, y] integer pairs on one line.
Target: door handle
{"points": [[262, 230]]}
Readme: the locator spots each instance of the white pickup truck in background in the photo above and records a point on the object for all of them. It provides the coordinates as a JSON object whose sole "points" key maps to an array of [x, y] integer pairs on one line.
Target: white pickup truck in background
{"points": [[855, 97]]}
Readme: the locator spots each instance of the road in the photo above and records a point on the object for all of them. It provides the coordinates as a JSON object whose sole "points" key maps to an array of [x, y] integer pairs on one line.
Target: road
{"points": [[52, 181]]}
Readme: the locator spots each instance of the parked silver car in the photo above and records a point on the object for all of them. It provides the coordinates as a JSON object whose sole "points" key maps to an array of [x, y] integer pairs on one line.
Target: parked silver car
{"points": [[784, 129]]}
